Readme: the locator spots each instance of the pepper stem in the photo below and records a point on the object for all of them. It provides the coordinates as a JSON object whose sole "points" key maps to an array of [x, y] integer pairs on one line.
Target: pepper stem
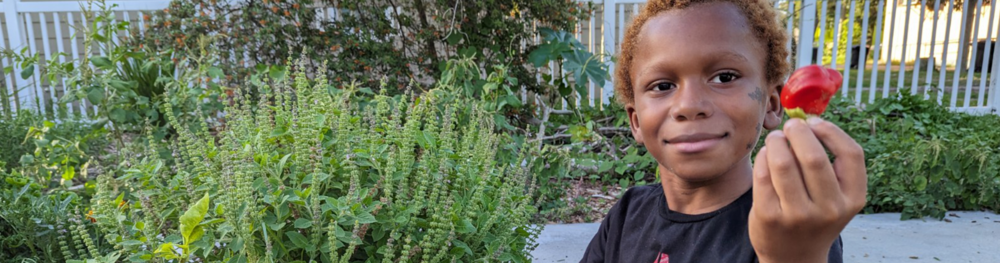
{"points": [[796, 113]]}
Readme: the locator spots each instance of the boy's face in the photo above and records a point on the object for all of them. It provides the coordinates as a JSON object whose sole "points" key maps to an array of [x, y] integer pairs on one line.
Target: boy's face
{"points": [[701, 95]]}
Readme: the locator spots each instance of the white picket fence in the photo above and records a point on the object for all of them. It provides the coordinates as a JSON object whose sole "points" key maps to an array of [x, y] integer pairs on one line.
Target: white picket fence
{"points": [[897, 46]]}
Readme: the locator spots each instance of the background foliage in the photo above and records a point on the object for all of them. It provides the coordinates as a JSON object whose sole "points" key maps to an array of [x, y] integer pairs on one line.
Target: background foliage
{"points": [[366, 149]]}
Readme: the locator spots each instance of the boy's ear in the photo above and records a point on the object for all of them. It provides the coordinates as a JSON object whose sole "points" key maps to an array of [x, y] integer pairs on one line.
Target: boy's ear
{"points": [[633, 121], [773, 112]]}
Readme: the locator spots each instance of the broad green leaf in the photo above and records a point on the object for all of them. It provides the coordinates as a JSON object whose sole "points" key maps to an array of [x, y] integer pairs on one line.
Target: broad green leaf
{"points": [[27, 72], [122, 85], [130, 242], [68, 173], [95, 95], [605, 166], [541, 55], [277, 72], [191, 220], [585, 67], [215, 72], [118, 115], [920, 183], [366, 218], [299, 240], [101, 62], [166, 251], [465, 226], [303, 223], [459, 244]]}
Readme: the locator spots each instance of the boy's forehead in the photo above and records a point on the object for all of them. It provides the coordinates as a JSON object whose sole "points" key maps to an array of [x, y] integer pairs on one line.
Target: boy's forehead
{"points": [[714, 23]]}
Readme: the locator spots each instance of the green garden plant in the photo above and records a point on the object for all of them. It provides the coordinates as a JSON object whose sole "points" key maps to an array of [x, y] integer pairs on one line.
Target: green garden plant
{"points": [[312, 170]]}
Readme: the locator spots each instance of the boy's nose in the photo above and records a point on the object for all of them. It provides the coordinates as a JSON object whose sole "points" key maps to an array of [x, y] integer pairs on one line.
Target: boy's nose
{"points": [[691, 102]]}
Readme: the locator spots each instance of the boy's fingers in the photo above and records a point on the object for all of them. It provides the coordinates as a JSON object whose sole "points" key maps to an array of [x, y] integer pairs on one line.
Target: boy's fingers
{"points": [[849, 163], [820, 180], [764, 196], [784, 172]]}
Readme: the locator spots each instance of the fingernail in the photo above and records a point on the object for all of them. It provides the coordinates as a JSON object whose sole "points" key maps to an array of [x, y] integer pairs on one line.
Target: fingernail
{"points": [[813, 121], [793, 122]]}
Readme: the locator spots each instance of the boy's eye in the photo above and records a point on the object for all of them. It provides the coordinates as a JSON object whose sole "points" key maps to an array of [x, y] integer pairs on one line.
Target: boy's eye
{"points": [[663, 86], [724, 77]]}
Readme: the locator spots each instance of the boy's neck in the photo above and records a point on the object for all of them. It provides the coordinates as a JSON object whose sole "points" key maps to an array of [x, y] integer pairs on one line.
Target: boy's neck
{"points": [[706, 196]]}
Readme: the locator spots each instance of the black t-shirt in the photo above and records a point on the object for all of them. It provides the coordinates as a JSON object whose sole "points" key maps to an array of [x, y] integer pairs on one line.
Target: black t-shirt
{"points": [[641, 229]]}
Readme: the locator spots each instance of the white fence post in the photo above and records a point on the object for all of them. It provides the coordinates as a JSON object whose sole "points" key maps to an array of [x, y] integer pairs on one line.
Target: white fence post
{"points": [[608, 28], [16, 39], [807, 29]]}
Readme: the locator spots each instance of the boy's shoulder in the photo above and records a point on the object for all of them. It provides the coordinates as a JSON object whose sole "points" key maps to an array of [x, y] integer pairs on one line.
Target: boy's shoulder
{"points": [[641, 198], [643, 192]]}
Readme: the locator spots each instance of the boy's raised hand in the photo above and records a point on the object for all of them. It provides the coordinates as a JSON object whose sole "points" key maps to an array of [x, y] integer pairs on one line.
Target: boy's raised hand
{"points": [[801, 201]]}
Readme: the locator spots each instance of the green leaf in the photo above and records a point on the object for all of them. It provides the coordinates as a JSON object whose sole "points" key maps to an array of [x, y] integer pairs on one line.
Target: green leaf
{"points": [[621, 168], [462, 245], [920, 183], [166, 251], [191, 219], [303, 223], [122, 85], [101, 62], [130, 242], [586, 67], [543, 54], [215, 72], [465, 226], [118, 115], [95, 95], [68, 173], [277, 72], [299, 240], [454, 38], [605, 166], [366, 218], [27, 72]]}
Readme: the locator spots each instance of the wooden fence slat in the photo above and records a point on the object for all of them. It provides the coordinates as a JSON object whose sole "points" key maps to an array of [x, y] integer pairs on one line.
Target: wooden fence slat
{"points": [[879, 15], [46, 54], [836, 35], [32, 50], [959, 67], [930, 68], [905, 43], [916, 65], [888, 53], [970, 62], [845, 87], [863, 57], [984, 69], [944, 54]]}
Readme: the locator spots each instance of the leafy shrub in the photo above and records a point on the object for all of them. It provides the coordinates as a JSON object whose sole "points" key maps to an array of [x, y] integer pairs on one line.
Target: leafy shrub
{"points": [[399, 42], [923, 159], [310, 171], [27, 133], [13, 131]]}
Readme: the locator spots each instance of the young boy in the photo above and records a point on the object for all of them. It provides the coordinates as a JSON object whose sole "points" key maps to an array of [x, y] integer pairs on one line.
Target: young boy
{"points": [[699, 81]]}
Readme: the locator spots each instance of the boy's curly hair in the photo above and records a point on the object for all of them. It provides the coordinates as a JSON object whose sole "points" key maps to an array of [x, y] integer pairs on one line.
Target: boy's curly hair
{"points": [[763, 20]]}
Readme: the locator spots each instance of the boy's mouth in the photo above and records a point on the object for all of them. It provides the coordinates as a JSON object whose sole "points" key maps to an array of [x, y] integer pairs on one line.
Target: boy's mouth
{"points": [[696, 142]]}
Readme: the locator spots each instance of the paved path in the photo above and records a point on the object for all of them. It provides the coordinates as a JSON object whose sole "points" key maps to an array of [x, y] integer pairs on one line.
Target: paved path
{"points": [[969, 237]]}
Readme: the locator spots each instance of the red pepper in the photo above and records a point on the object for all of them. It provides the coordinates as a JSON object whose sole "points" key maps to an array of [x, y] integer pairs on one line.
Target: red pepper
{"points": [[809, 90]]}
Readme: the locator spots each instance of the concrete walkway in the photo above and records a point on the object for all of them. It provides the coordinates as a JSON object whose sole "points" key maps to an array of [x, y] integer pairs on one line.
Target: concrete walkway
{"points": [[969, 237]]}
